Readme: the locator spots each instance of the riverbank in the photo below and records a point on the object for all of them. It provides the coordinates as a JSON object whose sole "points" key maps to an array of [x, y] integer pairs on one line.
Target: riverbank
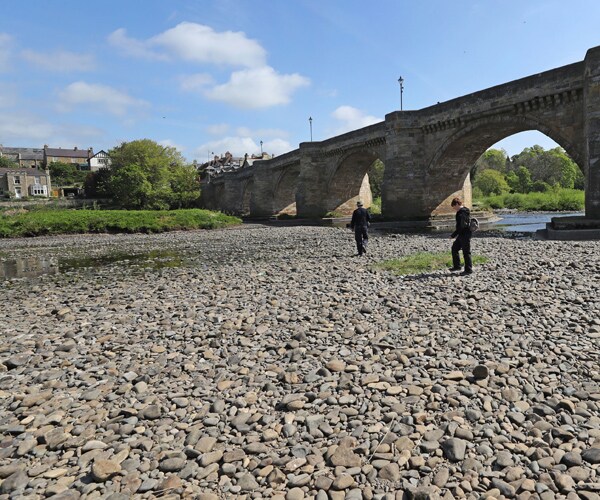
{"points": [[272, 364], [19, 222]]}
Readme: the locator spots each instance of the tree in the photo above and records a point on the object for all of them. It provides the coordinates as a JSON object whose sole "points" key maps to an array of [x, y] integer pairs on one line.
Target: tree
{"points": [[65, 174], [97, 184], [491, 182], [520, 180], [146, 175], [7, 163], [185, 184], [552, 167], [495, 159], [376, 178]]}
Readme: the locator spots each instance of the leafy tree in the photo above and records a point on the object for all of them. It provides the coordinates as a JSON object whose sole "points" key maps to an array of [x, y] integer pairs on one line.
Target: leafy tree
{"points": [[185, 184], [7, 163], [552, 167], [495, 159], [491, 182], [520, 180], [376, 178], [65, 174], [146, 175], [97, 184]]}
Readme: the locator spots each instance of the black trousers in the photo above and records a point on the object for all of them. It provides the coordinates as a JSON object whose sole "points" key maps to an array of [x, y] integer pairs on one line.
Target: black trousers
{"points": [[361, 235], [462, 242]]}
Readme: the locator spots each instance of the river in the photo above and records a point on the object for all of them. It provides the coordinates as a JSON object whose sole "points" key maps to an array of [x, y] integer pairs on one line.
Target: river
{"points": [[525, 222]]}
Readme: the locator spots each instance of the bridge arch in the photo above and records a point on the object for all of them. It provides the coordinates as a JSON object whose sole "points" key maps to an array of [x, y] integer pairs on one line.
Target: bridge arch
{"points": [[284, 194], [449, 166], [247, 197], [349, 181]]}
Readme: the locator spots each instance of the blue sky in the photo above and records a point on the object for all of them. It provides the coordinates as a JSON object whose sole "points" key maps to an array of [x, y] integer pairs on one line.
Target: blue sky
{"points": [[215, 75]]}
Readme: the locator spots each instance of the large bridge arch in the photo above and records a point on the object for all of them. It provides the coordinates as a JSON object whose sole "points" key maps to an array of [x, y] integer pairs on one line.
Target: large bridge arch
{"points": [[349, 181], [284, 194], [449, 167]]}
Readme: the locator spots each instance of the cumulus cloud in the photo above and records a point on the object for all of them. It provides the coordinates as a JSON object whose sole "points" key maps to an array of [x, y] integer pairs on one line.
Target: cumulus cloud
{"points": [[217, 129], [133, 47], [262, 132], [60, 60], [100, 98], [257, 88], [196, 82], [196, 43], [27, 128], [352, 119], [171, 144], [239, 146]]}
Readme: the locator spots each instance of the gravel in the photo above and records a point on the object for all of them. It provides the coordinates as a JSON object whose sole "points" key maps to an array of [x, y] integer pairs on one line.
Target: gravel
{"points": [[268, 362]]}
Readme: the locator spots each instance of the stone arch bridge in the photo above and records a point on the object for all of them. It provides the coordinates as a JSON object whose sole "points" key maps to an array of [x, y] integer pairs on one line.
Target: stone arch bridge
{"points": [[427, 153]]}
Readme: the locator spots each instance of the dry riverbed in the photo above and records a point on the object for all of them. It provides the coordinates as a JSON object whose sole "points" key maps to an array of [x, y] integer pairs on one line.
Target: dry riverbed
{"points": [[270, 363]]}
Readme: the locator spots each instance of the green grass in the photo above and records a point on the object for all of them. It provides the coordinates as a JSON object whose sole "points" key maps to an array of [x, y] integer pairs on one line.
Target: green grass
{"points": [[46, 222], [549, 201], [422, 262]]}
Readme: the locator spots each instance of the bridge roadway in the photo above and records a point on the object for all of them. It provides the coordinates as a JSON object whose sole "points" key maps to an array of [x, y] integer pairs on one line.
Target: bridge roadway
{"points": [[427, 153]]}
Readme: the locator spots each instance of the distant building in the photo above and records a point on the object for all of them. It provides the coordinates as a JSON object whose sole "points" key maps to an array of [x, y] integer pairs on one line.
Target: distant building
{"points": [[24, 157], [99, 160], [228, 163], [24, 182], [80, 157]]}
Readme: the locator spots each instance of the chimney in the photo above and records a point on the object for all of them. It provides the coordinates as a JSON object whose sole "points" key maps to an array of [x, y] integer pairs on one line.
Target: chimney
{"points": [[75, 148]]}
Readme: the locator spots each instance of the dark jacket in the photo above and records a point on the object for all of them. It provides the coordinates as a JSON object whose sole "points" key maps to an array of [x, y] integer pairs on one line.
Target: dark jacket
{"points": [[360, 218], [463, 223]]}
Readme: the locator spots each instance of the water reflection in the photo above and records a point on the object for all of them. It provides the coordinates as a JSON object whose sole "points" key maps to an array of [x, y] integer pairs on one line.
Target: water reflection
{"points": [[28, 267], [32, 267]]}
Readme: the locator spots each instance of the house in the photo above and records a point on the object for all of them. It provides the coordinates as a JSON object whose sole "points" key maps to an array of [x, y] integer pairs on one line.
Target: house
{"points": [[23, 182], [99, 160], [80, 157], [24, 157]]}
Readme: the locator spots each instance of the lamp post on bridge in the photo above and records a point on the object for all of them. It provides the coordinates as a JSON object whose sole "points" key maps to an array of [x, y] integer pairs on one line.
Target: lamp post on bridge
{"points": [[261, 151], [401, 82], [310, 123]]}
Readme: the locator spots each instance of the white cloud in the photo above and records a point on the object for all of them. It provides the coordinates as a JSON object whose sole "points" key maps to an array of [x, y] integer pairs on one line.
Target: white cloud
{"points": [[170, 144], [217, 129], [239, 146], [199, 81], [196, 43], [132, 47], [262, 132], [199, 43], [352, 119], [99, 97], [33, 131], [257, 88], [5, 50], [60, 60]]}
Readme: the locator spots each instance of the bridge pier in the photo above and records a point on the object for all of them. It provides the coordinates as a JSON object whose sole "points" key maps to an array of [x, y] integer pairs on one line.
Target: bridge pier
{"points": [[592, 133]]}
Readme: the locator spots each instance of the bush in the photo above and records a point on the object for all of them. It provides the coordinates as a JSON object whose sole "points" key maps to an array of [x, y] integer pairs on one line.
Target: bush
{"points": [[549, 201]]}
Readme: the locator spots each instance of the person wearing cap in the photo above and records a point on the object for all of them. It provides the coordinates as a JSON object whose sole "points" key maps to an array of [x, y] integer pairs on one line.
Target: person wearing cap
{"points": [[360, 223]]}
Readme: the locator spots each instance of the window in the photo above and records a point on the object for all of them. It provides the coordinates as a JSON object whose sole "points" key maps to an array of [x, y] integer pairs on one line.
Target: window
{"points": [[17, 179], [103, 161], [38, 190], [36, 180], [17, 192]]}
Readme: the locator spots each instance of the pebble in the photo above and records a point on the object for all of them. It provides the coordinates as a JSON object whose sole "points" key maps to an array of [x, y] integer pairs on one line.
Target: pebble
{"points": [[230, 375]]}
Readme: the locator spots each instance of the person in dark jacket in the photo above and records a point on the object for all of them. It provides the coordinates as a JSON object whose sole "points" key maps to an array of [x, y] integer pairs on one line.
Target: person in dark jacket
{"points": [[360, 223], [462, 234]]}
